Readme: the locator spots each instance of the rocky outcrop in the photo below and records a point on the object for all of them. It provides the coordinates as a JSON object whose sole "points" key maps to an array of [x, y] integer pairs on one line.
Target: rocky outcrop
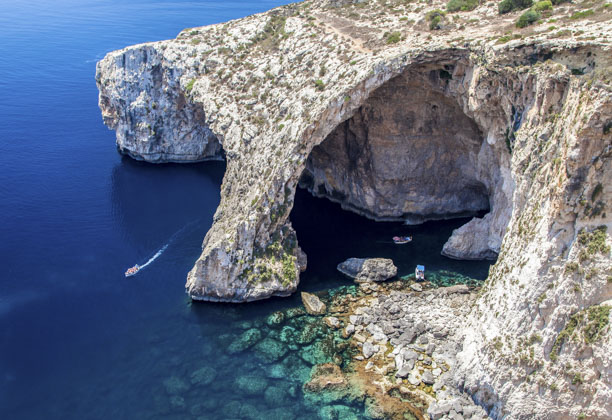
{"points": [[431, 126], [156, 122], [414, 338], [368, 269], [471, 241], [313, 304]]}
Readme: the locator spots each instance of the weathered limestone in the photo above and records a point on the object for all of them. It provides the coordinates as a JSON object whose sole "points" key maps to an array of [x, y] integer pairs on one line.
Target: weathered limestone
{"points": [[471, 241], [531, 144], [155, 122], [326, 377], [368, 269], [313, 304]]}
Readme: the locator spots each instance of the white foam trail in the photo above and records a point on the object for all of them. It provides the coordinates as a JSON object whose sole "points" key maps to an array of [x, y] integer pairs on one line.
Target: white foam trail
{"points": [[163, 248], [154, 257]]}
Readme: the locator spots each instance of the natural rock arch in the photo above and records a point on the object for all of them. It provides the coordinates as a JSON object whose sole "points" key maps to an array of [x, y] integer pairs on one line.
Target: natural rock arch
{"points": [[410, 153]]}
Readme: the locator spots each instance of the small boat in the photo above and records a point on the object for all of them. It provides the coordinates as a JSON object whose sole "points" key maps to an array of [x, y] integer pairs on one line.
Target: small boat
{"points": [[131, 271], [419, 273], [402, 239]]}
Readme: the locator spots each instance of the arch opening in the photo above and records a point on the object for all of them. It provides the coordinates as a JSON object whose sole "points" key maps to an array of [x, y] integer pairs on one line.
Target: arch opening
{"points": [[409, 154]]}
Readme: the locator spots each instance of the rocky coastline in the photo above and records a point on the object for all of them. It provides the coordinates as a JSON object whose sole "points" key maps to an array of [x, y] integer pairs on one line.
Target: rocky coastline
{"points": [[401, 111]]}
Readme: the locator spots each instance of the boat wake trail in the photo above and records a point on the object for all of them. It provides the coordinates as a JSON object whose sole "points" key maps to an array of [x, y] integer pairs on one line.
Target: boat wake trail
{"points": [[132, 271], [154, 257]]}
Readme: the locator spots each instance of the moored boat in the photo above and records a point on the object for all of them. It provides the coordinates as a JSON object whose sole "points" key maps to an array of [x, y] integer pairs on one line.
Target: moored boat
{"points": [[419, 273], [132, 270], [402, 239]]}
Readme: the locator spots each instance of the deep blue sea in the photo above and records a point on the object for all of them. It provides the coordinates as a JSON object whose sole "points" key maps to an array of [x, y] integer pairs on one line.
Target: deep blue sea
{"points": [[77, 339]]}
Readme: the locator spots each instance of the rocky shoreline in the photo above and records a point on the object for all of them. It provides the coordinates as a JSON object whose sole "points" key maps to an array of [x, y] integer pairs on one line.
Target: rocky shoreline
{"points": [[407, 336], [361, 351]]}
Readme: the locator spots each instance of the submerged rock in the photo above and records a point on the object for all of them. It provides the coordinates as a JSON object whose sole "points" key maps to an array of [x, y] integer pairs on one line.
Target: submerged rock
{"points": [[313, 304], [275, 319], [177, 402], [175, 385], [276, 396], [337, 411], [203, 376], [270, 350], [251, 384], [316, 353], [308, 332], [246, 340], [368, 269]]}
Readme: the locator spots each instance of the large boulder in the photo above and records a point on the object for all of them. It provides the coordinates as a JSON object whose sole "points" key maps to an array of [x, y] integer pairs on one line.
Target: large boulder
{"points": [[368, 269], [313, 304]]}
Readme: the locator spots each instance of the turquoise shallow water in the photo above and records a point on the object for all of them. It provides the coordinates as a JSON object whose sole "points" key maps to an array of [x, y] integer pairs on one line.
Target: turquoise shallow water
{"points": [[77, 339]]}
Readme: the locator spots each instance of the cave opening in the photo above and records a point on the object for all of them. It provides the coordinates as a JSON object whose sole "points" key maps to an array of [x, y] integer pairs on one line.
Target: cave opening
{"points": [[409, 156]]}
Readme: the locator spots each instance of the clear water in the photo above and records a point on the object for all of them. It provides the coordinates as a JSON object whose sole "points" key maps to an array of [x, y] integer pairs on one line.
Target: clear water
{"points": [[79, 340]]}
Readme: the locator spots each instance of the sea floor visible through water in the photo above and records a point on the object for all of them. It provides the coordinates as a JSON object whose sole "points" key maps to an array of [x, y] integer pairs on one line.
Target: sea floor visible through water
{"points": [[222, 361]]}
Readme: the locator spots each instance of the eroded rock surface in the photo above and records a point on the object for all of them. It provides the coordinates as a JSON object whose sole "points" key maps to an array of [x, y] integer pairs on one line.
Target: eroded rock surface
{"points": [[368, 269], [408, 153], [313, 304]]}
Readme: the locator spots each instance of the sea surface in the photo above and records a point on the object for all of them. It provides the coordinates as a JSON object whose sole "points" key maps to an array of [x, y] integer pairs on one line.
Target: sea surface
{"points": [[78, 340]]}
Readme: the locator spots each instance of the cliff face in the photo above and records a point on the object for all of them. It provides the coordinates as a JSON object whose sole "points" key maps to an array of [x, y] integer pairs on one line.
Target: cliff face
{"points": [[538, 344], [145, 105], [422, 128]]}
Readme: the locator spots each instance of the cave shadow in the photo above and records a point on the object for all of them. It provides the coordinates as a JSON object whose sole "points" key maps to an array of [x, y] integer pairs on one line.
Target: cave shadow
{"points": [[329, 235], [410, 158]]}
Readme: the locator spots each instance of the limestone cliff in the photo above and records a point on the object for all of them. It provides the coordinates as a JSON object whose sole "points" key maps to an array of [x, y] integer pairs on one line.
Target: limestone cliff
{"points": [[397, 114]]}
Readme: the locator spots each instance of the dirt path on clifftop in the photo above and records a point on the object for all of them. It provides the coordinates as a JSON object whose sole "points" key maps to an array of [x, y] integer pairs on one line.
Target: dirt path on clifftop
{"points": [[330, 28]]}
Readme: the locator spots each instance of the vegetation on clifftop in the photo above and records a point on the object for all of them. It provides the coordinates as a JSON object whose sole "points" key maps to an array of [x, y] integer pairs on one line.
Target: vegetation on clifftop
{"points": [[585, 326]]}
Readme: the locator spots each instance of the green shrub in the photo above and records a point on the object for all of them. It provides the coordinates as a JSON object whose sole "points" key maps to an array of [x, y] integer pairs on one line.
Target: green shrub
{"points": [[461, 5], [189, 86], [503, 39], [435, 17], [556, 2], [527, 18], [435, 23], [590, 323], [542, 6], [319, 85], [594, 241], [394, 37], [583, 14], [507, 6]]}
